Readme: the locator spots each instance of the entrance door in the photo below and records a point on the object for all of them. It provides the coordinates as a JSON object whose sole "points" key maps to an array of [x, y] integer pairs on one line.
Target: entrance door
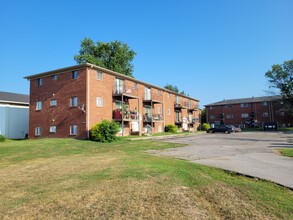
{"points": [[119, 86], [147, 93]]}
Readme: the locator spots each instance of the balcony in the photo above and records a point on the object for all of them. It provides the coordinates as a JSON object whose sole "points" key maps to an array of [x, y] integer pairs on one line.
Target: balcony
{"points": [[153, 97], [153, 117], [126, 116], [126, 91]]}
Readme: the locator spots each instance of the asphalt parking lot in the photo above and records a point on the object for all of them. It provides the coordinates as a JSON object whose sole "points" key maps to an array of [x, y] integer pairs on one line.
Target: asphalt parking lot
{"points": [[250, 153]]}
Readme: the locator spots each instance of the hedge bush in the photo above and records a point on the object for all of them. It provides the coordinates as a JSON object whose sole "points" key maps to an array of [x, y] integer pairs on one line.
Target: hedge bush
{"points": [[105, 131], [205, 126], [171, 128], [2, 138]]}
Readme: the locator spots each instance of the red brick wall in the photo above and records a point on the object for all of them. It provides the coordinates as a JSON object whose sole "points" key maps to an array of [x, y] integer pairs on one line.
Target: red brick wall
{"points": [[87, 88], [62, 115], [273, 110]]}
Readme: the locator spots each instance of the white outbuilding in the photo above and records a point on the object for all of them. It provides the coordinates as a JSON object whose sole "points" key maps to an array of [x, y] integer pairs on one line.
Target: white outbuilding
{"points": [[14, 115]]}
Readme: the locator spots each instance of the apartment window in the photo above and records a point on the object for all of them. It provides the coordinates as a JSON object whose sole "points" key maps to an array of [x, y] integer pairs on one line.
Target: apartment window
{"points": [[168, 95], [54, 77], [99, 75], [159, 92], [169, 111], [38, 105], [212, 116], [53, 129], [229, 116], [282, 114], [159, 110], [73, 101], [38, 131], [265, 114], [53, 102], [177, 116], [99, 102], [245, 115], [244, 105], [177, 99], [40, 82], [74, 74], [264, 103], [228, 106], [135, 85], [211, 107], [73, 130], [118, 104]]}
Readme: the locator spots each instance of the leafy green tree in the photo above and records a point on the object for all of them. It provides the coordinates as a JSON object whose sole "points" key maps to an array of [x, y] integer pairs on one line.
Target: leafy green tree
{"points": [[281, 78], [203, 116], [172, 88], [115, 56]]}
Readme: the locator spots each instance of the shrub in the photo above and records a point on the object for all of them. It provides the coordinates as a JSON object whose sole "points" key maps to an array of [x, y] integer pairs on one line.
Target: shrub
{"points": [[2, 138], [105, 131], [171, 128], [205, 126]]}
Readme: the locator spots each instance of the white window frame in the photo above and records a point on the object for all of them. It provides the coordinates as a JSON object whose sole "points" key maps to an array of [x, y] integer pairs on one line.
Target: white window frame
{"points": [[229, 106], [229, 116], [264, 103], [265, 114], [73, 130], [40, 81], [38, 131], [159, 110], [245, 115], [54, 77], [74, 74], [159, 92], [100, 75], [212, 116], [135, 85], [39, 105], [53, 102], [169, 111], [244, 105], [74, 101], [99, 102], [53, 129], [168, 95]]}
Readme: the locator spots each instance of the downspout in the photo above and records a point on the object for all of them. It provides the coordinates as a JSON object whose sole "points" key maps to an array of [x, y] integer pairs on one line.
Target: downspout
{"points": [[88, 104]]}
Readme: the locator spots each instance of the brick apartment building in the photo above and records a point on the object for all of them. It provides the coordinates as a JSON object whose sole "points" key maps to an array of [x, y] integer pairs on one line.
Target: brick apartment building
{"points": [[68, 102], [245, 111]]}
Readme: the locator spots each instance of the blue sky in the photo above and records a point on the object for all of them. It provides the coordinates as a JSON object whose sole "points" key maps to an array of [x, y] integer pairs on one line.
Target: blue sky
{"points": [[211, 49]]}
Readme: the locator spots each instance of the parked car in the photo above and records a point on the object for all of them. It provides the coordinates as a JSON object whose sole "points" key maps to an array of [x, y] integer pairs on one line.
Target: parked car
{"points": [[270, 126], [234, 129], [220, 128]]}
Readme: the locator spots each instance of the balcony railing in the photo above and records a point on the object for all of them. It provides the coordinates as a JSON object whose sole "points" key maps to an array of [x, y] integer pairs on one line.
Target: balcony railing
{"points": [[127, 115], [153, 117], [125, 90], [153, 96], [186, 105]]}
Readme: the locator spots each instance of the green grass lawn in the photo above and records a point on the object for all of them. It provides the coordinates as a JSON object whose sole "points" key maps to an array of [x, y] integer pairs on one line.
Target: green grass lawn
{"points": [[73, 179], [288, 152]]}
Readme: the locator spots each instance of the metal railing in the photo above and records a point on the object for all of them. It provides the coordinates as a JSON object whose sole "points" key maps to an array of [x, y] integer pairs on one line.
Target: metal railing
{"points": [[125, 90]]}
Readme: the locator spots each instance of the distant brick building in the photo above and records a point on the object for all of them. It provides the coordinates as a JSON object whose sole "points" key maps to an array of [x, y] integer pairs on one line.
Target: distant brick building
{"points": [[68, 102], [249, 110]]}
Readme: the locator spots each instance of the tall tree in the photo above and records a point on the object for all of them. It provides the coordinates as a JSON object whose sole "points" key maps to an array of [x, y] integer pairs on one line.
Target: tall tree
{"points": [[281, 78], [115, 56], [171, 87]]}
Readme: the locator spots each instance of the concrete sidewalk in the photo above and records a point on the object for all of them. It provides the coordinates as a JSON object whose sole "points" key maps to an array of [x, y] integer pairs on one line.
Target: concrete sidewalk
{"points": [[249, 153]]}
